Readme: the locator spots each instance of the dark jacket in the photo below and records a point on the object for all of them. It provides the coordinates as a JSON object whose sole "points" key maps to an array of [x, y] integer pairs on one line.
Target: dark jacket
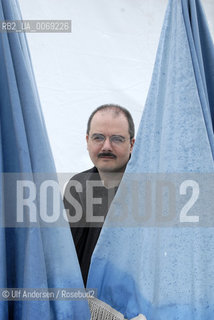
{"points": [[94, 200]]}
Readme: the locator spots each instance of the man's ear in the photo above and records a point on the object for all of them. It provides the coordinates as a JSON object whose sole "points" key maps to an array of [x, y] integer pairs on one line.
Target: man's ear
{"points": [[132, 144], [87, 137]]}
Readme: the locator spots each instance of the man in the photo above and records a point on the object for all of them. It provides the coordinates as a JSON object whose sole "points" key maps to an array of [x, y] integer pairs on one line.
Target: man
{"points": [[110, 140]]}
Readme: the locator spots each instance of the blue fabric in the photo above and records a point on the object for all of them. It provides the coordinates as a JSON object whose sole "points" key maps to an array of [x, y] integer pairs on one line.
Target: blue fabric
{"points": [[202, 53], [166, 273], [30, 257]]}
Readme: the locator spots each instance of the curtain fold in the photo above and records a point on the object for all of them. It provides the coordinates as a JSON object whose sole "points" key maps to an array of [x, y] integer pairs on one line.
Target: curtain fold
{"points": [[142, 265], [33, 256]]}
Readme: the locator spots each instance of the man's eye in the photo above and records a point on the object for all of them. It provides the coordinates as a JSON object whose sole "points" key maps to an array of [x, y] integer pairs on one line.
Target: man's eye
{"points": [[117, 139], [98, 138]]}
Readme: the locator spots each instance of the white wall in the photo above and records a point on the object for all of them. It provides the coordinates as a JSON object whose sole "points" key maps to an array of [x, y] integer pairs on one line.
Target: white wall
{"points": [[108, 57]]}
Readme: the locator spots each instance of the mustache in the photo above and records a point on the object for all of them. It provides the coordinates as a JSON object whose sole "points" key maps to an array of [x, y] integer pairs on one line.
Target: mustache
{"points": [[106, 154]]}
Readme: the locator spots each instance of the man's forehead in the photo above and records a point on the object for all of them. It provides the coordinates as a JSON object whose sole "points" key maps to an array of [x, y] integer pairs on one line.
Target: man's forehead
{"points": [[109, 115], [109, 119]]}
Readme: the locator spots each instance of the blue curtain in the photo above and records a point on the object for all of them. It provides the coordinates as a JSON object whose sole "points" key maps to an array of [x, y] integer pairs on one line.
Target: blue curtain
{"points": [[31, 257], [165, 272]]}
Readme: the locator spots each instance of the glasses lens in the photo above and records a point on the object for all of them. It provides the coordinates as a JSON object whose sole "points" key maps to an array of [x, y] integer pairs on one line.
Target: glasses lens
{"points": [[98, 138], [117, 139]]}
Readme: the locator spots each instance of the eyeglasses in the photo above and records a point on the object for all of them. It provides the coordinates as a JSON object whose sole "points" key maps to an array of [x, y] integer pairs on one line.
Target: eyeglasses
{"points": [[100, 139]]}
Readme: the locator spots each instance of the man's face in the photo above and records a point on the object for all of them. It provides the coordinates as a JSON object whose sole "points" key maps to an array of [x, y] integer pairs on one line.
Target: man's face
{"points": [[111, 154]]}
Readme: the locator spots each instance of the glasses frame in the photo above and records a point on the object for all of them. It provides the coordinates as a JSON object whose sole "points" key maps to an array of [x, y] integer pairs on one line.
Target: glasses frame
{"points": [[112, 139]]}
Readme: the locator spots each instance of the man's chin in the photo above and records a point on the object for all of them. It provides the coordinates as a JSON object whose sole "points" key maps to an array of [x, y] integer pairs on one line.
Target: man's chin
{"points": [[106, 164], [101, 169]]}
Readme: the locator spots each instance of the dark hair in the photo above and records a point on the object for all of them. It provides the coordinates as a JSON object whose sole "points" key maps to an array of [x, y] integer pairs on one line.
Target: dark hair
{"points": [[117, 110]]}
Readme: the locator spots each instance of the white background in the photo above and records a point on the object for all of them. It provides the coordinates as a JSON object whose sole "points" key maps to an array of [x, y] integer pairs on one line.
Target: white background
{"points": [[108, 58]]}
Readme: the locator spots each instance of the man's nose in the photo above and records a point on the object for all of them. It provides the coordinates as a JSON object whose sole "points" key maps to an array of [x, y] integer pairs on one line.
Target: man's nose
{"points": [[107, 144]]}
